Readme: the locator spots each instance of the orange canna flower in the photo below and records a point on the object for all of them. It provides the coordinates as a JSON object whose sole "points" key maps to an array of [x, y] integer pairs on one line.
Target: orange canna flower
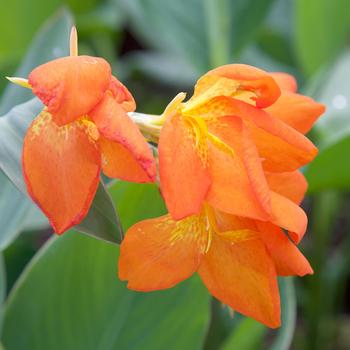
{"points": [[216, 146], [83, 128], [238, 259]]}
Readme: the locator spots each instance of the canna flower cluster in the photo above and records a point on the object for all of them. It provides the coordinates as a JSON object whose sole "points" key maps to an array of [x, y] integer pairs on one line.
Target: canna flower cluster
{"points": [[229, 160], [228, 165], [83, 128]]}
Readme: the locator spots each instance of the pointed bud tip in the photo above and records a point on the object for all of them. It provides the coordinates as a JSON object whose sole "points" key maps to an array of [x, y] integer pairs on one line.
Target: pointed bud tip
{"points": [[73, 42], [19, 81]]}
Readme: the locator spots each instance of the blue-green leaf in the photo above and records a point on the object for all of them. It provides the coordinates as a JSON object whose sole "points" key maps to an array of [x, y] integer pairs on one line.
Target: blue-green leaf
{"points": [[2, 290], [331, 168], [17, 213], [77, 302], [284, 336]]}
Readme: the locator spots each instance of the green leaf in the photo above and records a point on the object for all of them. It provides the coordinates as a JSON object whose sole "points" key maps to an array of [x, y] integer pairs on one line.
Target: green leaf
{"points": [[285, 334], [322, 28], [246, 19], [20, 19], [162, 66], [199, 35], [77, 302], [136, 202], [2, 290], [331, 169], [174, 27], [17, 213], [101, 221], [333, 90], [248, 335], [51, 42]]}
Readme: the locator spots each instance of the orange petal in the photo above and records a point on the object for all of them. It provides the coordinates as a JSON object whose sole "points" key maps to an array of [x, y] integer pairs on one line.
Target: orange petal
{"points": [[122, 95], [288, 259], [249, 78], [71, 86], [292, 185], [298, 111], [184, 178], [119, 163], [114, 124], [238, 182], [242, 275], [159, 253], [289, 216], [281, 147], [285, 81], [61, 168]]}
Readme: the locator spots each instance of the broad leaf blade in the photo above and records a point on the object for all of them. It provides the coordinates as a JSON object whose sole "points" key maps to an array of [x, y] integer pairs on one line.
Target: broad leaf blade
{"points": [[335, 94], [322, 28], [51, 42], [77, 301], [136, 202], [174, 27], [248, 335], [2, 289], [101, 221], [284, 336], [331, 169], [17, 213]]}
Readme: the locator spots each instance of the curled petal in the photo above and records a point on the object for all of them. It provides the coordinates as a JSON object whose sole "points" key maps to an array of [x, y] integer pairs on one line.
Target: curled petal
{"points": [[292, 185], [61, 168], [289, 216], [184, 177], [288, 259], [285, 81], [122, 95], [71, 86], [298, 111], [159, 253], [238, 182], [114, 125], [257, 81], [281, 147], [118, 163], [242, 275]]}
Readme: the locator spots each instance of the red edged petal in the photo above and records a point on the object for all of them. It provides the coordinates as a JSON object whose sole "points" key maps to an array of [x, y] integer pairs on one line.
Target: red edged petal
{"points": [[71, 86], [298, 111], [288, 259], [184, 178], [159, 253], [251, 79], [61, 167], [292, 185], [238, 182], [289, 216], [114, 124], [285, 81], [242, 275], [122, 95]]}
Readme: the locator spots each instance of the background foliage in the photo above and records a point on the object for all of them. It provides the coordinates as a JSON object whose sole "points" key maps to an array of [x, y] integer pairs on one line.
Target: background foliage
{"points": [[63, 293]]}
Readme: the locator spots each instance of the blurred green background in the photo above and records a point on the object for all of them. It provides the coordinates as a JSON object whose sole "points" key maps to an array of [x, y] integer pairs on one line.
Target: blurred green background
{"points": [[68, 297]]}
